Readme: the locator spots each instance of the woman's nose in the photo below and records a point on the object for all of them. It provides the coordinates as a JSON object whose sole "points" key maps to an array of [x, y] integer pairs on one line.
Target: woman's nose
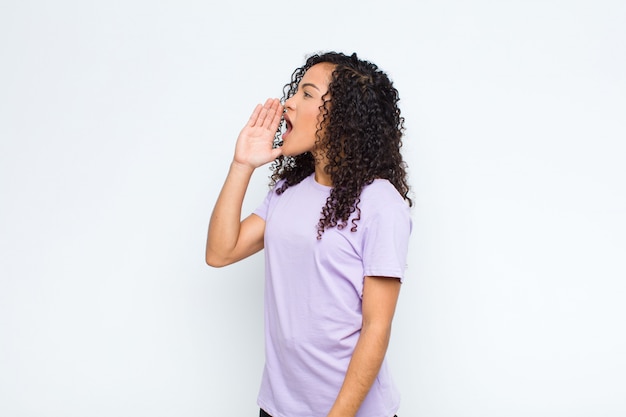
{"points": [[289, 103]]}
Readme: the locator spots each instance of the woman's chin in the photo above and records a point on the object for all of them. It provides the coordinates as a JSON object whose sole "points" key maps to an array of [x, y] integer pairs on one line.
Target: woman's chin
{"points": [[289, 151]]}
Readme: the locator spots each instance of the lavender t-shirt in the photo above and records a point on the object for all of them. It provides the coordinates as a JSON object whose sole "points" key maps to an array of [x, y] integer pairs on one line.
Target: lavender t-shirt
{"points": [[313, 291]]}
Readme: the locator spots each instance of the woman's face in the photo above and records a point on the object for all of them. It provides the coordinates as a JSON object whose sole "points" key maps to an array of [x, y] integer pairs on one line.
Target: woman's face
{"points": [[303, 115]]}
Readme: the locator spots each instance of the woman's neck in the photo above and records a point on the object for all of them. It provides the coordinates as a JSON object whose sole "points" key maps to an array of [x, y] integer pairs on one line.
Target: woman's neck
{"points": [[321, 177]]}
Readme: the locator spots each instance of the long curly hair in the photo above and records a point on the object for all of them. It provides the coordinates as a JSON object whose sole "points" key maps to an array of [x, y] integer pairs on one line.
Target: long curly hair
{"points": [[362, 135]]}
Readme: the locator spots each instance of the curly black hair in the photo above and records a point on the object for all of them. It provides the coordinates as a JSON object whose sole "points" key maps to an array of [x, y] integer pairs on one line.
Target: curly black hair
{"points": [[362, 136]]}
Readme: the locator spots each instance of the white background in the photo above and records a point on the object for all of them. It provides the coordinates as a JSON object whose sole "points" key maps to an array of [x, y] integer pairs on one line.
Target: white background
{"points": [[117, 125]]}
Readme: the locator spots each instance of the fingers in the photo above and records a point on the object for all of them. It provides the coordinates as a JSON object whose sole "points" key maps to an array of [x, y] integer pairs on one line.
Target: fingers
{"points": [[266, 116], [255, 115], [274, 114], [277, 117]]}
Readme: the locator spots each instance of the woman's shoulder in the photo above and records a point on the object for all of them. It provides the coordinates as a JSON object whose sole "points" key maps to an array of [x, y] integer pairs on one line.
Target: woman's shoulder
{"points": [[382, 195], [381, 189], [383, 207]]}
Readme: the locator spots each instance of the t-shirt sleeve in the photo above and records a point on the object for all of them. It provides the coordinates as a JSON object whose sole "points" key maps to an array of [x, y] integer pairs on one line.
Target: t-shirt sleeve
{"points": [[262, 209], [386, 241]]}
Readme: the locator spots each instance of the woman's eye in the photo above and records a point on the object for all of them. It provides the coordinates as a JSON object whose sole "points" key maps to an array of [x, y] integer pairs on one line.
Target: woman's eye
{"points": [[307, 94]]}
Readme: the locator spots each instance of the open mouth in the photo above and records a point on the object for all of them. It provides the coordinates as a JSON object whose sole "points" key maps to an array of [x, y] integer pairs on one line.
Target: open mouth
{"points": [[288, 126]]}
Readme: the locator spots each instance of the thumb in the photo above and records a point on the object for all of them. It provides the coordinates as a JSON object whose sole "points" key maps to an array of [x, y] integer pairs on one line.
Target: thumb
{"points": [[276, 152]]}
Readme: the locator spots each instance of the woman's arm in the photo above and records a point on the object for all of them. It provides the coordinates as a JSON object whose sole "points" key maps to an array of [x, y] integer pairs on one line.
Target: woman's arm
{"points": [[380, 295], [229, 239]]}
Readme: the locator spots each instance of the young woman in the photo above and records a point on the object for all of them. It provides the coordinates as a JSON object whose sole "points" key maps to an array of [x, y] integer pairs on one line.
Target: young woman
{"points": [[335, 230]]}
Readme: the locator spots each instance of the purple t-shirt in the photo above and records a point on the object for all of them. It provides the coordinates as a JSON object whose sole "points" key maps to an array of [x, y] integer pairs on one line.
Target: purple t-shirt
{"points": [[313, 291]]}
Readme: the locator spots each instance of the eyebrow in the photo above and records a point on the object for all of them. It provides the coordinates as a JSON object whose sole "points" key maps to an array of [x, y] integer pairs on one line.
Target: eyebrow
{"points": [[310, 85]]}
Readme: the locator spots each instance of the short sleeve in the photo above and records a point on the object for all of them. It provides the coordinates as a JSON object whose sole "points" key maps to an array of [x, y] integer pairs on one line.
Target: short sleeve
{"points": [[263, 209], [386, 240]]}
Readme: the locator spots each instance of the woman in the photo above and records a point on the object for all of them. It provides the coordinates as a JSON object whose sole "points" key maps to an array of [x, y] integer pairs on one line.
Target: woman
{"points": [[335, 230]]}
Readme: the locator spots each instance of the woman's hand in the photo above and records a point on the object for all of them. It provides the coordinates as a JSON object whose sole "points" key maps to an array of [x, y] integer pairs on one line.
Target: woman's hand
{"points": [[255, 142], [229, 238]]}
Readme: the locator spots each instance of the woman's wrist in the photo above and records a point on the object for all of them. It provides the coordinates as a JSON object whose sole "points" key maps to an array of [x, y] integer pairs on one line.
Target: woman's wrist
{"points": [[242, 168]]}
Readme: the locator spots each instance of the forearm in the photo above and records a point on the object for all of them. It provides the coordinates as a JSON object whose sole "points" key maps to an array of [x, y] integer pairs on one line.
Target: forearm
{"points": [[225, 223], [363, 369], [229, 239]]}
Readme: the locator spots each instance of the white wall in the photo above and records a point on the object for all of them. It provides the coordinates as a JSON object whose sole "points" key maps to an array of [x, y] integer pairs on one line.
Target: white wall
{"points": [[117, 124]]}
